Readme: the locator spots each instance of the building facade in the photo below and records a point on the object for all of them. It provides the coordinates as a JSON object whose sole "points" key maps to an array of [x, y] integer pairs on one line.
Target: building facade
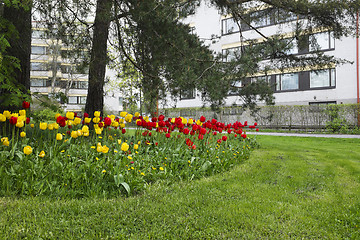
{"points": [[52, 74], [335, 84]]}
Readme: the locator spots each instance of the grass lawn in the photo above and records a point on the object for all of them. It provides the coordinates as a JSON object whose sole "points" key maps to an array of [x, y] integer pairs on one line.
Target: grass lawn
{"points": [[290, 188]]}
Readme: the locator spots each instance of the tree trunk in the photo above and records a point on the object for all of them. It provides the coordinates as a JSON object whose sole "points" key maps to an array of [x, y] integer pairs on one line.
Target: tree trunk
{"points": [[20, 48], [98, 59]]}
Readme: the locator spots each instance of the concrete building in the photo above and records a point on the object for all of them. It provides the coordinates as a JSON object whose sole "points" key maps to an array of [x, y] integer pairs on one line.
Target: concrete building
{"points": [[337, 84], [52, 74]]}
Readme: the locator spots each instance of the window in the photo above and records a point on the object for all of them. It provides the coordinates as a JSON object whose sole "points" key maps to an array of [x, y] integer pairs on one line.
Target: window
{"points": [[72, 100], [82, 100], [37, 34], [322, 103], [77, 100], [229, 25], [321, 41], [38, 82], [231, 54], [235, 88], [261, 78], [323, 78], [38, 66], [187, 94], [260, 18], [292, 47], [38, 50], [288, 81], [285, 16]]}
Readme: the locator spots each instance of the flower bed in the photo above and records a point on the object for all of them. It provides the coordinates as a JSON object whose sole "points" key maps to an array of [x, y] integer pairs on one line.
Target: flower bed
{"points": [[80, 156]]}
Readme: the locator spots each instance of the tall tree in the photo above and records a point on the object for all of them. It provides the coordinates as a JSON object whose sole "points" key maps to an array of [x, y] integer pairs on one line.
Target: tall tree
{"points": [[15, 29], [98, 60]]}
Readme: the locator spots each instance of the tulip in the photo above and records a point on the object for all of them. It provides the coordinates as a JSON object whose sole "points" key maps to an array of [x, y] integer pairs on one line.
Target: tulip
{"points": [[59, 137], [42, 154], [27, 150]]}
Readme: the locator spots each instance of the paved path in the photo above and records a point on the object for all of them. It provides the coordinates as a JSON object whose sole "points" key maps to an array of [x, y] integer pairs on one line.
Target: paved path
{"points": [[305, 135]]}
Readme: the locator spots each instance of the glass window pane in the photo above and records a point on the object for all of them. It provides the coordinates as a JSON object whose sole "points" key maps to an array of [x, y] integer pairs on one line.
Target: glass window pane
{"points": [[38, 50], [37, 66], [319, 79], [278, 83], [82, 100], [289, 81], [321, 41], [333, 77], [72, 100], [38, 83], [291, 46], [37, 34]]}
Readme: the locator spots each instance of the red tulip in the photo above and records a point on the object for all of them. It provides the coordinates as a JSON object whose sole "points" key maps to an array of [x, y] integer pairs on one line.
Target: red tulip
{"points": [[123, 131], [202, 119], [107, 121], [25, 104], [13, 120], [224, 138], [168, 135]]}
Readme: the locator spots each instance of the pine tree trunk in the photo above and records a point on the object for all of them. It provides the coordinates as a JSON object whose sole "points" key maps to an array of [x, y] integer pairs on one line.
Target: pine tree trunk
{"points": [[20, 47], [95, 97]]}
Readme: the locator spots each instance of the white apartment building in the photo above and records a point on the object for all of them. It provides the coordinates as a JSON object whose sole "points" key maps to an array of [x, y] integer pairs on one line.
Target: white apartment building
{"points": [[337, 84], [50, 73]]}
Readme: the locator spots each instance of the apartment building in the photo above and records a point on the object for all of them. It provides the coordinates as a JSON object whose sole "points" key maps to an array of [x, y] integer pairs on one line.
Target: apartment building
{"points": [[292, 86], [54, 74]]}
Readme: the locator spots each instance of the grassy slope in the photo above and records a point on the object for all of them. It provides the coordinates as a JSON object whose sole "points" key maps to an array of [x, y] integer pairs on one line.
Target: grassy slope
{"points": [[289, 188]]}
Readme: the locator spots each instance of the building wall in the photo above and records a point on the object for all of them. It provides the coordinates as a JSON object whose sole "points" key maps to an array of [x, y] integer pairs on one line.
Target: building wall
{"points": [[207, 22]]}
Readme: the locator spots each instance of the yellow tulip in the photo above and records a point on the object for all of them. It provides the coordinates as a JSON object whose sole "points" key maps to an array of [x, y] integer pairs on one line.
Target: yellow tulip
{"points": [[5, 141], [96, 119], [191, 121], [77, 121], [123, 114], [32, 125], [51, 127], [22, 112], [43, 126], [42, 154], [23, 134], [2, 118], [136, 146], [98, 131], [86, 134], [97, 114], [79, 133], [85, 129], [7, 114], [27, 150], [57, 115], [105, 149], [124, 147], [70, 115], [99, 148], [119, 141], [56, 126], [74, 134], [87, 120], [20, 124], [59, 137], [184, 120], [137, 114]]}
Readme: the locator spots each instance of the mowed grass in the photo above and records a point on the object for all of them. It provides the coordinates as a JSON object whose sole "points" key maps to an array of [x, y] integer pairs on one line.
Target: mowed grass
{"points": [[290, 188]]}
